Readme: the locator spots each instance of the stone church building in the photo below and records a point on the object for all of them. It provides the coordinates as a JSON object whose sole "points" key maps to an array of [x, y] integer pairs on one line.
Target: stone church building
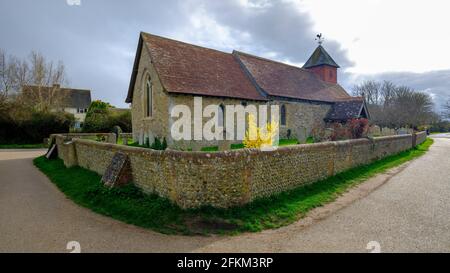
{"points": [[168, 73]]}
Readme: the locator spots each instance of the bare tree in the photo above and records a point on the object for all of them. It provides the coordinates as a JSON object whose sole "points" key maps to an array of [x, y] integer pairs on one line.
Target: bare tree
{"points": [[40, 82], [6, 73], [396, 106], [446, 112], [370, 90], [30, 84]]}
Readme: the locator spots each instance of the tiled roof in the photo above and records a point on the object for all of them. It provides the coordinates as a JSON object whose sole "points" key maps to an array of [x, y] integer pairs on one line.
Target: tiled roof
{"points": [[282, 80], [185, 68], [347, 109], [72, 98], [320, 57], [188, 69]]}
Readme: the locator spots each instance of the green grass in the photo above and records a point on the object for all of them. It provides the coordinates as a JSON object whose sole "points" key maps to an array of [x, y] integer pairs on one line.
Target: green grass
{"points": [[237, 146], [286, 142], [22, 146], [129, 141], [210, 149], [130, 205]]}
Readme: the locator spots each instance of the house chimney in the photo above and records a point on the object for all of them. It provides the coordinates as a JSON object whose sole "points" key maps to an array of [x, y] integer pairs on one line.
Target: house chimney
{"points": [[321, 63]]}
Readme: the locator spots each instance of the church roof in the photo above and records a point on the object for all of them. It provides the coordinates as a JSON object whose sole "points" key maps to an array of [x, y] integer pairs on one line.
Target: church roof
{"points": [[320, 57], [347, 109], [189, 69], [282, 80]]}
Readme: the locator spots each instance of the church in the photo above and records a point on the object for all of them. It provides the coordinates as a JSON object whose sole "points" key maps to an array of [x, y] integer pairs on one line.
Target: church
{"points": [[167, 73]]}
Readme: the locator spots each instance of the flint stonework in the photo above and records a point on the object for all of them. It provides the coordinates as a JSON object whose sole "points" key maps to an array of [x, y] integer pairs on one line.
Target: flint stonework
{"points": [[232, 178]]}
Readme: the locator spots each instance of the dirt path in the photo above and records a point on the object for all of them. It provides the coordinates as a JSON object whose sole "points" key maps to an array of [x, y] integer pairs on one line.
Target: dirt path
{"points": [[408, 211]]}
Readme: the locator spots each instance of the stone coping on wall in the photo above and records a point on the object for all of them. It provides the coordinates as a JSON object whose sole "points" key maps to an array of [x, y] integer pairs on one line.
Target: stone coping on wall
{"points": [[231, 153], [110, 137]]}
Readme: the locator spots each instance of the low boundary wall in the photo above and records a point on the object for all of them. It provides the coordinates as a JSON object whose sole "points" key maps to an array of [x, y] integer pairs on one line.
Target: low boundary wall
{"points": [[232, 178], [109, 137]]}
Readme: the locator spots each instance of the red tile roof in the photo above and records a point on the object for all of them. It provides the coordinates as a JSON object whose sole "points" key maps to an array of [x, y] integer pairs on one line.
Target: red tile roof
{"points": [[282, 80], [188, 69], [185, 68]]}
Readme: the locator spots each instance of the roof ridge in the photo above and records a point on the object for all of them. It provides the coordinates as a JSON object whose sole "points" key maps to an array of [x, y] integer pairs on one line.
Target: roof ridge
{"points": [[285, 64], [270, 60], [185, 43], [351, 98]]}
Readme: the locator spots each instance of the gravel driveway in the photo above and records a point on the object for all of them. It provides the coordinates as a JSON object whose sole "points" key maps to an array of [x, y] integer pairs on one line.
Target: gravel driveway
{"points": [[408, 212]]}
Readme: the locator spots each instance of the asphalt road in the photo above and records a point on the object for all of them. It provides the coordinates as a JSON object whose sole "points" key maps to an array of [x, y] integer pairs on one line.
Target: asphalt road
{"points": [[406, 210]]}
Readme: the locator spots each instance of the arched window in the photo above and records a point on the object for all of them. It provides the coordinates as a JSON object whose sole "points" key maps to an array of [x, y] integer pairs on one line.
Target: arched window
{"points": [[222, 119], [283, 115], [221, 115], [149, 98]]}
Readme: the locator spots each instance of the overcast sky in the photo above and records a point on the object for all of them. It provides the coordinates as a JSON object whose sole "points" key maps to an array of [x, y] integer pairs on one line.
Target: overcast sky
{"points": [[405, 41]]}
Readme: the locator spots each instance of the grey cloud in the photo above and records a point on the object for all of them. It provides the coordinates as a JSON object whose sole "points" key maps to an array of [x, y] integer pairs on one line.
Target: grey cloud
{"points": [[276, 26], [97, 40], [436, 83]]}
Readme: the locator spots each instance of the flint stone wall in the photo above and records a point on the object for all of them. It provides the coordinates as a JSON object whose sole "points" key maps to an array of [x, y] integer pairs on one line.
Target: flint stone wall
{"points": [[232, 178]]}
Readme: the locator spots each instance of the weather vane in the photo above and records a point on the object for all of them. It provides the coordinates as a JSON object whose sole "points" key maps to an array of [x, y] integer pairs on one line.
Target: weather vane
{"points": [[319, 38]]}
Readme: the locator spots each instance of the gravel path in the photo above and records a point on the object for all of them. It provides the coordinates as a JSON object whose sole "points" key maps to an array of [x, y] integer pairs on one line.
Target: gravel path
{"points": [[408, 210]]}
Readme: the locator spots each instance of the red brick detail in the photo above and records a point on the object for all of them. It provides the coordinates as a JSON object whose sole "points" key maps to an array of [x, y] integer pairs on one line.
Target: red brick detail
{"points": [[326, 73]]}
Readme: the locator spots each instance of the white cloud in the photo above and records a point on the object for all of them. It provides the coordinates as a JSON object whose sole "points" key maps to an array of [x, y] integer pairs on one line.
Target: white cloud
{"points": [[400, 35]]}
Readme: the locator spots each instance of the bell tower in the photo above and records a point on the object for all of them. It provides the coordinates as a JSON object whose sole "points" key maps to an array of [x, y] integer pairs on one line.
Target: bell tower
{"points": [[322, 64]]}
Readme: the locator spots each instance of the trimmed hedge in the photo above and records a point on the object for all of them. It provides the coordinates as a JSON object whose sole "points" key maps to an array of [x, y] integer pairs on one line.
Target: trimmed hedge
{"points": [[33, 130]]}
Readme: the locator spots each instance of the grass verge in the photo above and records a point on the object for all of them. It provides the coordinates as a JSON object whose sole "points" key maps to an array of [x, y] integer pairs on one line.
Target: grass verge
{"points": [[22, 146], [130, 205]]}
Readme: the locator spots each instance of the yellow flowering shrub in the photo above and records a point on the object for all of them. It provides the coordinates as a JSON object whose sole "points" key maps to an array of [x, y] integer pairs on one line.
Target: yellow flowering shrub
{"points": [[260, 137]]}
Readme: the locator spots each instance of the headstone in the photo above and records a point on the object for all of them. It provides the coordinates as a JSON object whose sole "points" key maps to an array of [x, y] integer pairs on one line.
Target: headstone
{"points": [[402, 131], [118, 172], [125, 140], [375, 130], [52, 152]]}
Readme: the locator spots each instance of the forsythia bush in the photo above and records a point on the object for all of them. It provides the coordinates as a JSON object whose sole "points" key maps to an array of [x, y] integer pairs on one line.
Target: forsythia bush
{"points": [[257, 137]]}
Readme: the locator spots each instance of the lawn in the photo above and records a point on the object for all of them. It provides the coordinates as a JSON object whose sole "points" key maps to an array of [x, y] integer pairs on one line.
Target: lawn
{"points": [[23, 146], [130, 205], [130, 141]]}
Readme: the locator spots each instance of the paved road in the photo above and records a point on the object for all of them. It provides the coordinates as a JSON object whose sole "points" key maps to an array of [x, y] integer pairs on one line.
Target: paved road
{"points": [[410, 212]]}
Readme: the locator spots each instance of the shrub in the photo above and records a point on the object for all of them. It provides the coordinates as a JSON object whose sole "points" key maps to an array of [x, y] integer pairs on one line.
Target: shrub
{"points": [[102, 118], [122, 119], [158, 145], [358, 127], [35, 128], [257, 137]]}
